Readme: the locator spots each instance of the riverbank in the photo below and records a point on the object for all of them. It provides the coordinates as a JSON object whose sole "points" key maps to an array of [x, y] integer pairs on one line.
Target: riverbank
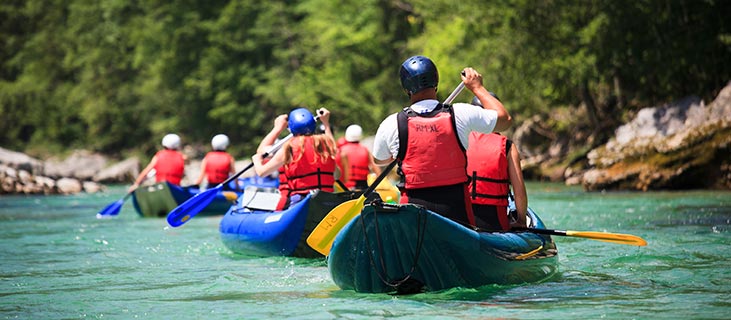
{"points": [[681, 145], [685, 144], [82, 171]]}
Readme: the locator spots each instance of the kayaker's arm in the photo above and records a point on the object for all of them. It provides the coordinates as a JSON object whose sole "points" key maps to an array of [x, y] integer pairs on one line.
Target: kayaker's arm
{"points": [[383, 162], [202, 175], [372, 165], [143, 174], [473, 82], [232, 166], [280, 123], [345, 168], [324, 116], [265, 169], [515, 174]]}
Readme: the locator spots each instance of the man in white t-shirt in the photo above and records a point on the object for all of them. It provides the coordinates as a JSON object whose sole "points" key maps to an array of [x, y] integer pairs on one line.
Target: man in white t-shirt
{"points": [[433, 158]]}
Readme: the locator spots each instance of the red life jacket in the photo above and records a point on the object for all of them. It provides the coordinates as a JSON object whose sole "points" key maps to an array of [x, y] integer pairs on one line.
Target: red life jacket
{"points": [[218, 166], [284, 190], [341, 142], [429, 148], [488, 167], [358, 160], [306, 171], [170, 166]]}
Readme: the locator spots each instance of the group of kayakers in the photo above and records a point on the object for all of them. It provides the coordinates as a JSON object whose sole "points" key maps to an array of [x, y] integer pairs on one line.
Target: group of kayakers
{"points": [[169, 163], [449, 157]]}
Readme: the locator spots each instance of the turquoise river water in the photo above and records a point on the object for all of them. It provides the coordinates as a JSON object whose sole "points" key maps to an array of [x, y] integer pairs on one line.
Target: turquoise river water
{"points": [[57, 261]]}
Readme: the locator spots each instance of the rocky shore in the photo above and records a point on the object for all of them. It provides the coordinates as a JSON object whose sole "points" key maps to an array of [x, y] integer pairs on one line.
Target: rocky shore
{"points": [[685, 144], [682, 145], [82, 171]]}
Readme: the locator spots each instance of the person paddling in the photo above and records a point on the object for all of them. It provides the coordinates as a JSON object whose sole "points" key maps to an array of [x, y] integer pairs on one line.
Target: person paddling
{"points": [[218, 164], [168, 163], [307, 160], [493, 163], [430, 139], [360, 160]]}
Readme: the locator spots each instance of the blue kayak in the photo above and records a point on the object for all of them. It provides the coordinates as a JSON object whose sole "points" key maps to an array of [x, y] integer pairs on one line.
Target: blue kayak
{"points": [[408, 249], [258, 232]]}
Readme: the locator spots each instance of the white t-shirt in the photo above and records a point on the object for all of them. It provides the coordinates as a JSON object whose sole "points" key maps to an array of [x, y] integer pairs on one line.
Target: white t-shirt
{"points": [[468, 118]]}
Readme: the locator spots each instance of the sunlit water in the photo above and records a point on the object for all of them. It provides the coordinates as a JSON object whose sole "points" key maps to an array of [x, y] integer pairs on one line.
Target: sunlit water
{"points": [[59, 262]]}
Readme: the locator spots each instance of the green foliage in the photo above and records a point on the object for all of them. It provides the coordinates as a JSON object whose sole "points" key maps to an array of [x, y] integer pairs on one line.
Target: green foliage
{"points": [[115, 76]]}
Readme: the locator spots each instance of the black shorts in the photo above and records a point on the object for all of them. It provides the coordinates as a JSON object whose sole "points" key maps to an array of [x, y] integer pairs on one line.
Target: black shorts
{"points": [[486, 217], [449, 201]]}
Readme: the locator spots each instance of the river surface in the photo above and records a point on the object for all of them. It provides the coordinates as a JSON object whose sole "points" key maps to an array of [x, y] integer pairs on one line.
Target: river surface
{"points": [[57, 261]]}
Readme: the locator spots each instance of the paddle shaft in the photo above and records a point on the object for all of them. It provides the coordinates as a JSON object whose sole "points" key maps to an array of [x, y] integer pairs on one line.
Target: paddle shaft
{"points": [[454, 93], [619, 238]]}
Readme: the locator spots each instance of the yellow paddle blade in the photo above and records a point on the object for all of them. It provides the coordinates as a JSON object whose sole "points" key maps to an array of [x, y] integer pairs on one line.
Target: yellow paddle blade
{"points": [[322, 237], [609, 237]]}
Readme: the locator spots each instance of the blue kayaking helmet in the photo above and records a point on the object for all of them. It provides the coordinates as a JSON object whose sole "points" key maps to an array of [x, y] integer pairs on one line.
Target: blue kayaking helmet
{"points": [[418, 73], [301, 122]]}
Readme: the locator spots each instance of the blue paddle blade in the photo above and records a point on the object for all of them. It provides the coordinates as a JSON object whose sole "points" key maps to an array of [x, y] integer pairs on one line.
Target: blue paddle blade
{"points": [[191, 207], [112, 209]]}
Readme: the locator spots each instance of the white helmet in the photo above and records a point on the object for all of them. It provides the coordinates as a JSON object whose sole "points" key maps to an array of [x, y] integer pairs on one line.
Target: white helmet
{"points": [[219, 142], [171, 141], [353, 133]]}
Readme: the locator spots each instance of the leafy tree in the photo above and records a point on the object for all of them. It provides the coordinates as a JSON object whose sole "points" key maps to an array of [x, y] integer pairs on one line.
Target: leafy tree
{"points": [[117, 75]]}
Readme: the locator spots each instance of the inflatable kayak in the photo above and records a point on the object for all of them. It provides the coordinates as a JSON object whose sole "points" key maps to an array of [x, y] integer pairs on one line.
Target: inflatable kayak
{"points": [[160, 198], [408, 249], [252, 227]]}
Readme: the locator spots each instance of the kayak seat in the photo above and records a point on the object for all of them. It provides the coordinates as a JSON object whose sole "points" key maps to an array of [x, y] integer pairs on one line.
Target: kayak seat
{"points": [[260, 198]]}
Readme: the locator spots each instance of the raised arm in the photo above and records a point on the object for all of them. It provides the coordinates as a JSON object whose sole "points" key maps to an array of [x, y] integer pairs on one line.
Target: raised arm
{"points": [[324, 115], [473, 82], [280, 123]]}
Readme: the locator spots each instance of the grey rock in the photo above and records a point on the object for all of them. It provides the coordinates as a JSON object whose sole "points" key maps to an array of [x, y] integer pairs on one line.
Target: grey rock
{"points": [[680, 145], [68, 186], [121, 172], [82, 165], [20, 161]]}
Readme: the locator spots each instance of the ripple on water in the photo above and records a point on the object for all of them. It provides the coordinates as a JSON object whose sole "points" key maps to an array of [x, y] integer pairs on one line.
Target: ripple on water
{"points": [[59, 261]]}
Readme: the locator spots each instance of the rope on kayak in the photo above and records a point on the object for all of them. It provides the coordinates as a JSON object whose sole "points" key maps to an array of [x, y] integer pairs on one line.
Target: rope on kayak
{"points": [[406, 285]]}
